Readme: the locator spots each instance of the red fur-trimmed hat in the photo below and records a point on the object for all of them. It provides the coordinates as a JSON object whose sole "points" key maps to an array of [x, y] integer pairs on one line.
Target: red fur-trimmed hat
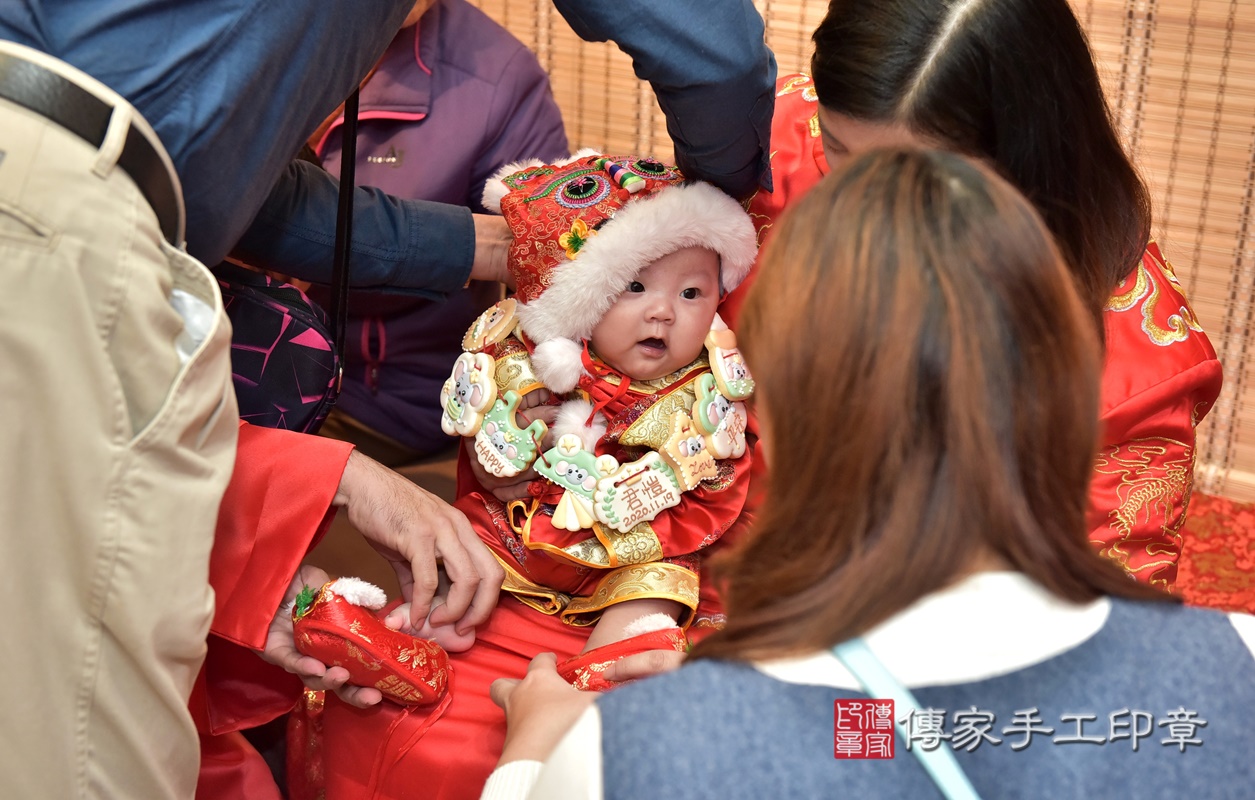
{"points": [[585, 227]]}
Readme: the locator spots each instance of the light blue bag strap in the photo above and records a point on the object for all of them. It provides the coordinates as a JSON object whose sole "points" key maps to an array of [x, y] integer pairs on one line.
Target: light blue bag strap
{"points": [[876, 681]]}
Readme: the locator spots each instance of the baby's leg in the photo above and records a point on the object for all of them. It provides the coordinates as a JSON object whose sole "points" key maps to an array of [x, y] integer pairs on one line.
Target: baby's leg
{"points": [[444, 635]]}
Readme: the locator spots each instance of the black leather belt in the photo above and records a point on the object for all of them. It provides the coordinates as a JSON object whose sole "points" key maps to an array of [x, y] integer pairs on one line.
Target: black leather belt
{"points": [[83, 113]]}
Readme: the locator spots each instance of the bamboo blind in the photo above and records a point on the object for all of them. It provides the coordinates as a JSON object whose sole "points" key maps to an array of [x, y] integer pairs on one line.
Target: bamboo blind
{"points": [[1180, 77]]}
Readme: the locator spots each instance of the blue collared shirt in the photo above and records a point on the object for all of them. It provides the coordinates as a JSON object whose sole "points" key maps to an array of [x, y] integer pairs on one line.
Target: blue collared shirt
{"points": [[233, 87]]}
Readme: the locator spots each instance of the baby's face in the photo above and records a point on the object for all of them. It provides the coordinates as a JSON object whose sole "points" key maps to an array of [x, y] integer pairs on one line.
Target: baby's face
{"points": [[659, 323]]}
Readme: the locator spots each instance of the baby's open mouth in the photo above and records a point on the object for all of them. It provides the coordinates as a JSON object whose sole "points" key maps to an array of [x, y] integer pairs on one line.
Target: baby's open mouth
{"points": [[653, 343]]}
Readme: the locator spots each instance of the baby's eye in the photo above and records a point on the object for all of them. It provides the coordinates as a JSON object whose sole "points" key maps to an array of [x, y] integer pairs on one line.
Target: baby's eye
{"points": [[691, 293], [636, 286]]}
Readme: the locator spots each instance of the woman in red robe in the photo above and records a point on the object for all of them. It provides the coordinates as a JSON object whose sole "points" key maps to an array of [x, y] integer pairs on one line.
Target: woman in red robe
{"points": [[1045, 126]]}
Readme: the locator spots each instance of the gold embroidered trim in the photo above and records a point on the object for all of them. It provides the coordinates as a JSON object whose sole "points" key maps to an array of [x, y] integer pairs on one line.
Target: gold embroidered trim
{"points": [[685, 373], [800, 83], [1146, 292], [587, 553], [1123, 302], [1179, 324], [544, 600], [659, 580], [640, 545], [1151, 487], [653, 427], [514, 373]]}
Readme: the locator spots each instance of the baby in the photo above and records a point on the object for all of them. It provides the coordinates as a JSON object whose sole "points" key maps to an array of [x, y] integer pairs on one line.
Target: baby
{"points": [[620, 266]]}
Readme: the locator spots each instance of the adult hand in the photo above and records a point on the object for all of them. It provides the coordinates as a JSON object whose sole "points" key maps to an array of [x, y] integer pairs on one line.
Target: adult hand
{"points": [[533, 406], [539, 710], [280, 648], [644, 664], [412, 529], [492, 240]]}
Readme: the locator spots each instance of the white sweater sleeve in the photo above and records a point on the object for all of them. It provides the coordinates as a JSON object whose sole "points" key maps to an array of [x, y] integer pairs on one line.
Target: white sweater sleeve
{"points": [[573, 771], [511, 781]]}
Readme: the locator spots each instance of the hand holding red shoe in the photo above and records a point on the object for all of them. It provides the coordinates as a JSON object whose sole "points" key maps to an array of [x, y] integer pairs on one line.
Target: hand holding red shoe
{"points": [[588, 670], [337, 625]]}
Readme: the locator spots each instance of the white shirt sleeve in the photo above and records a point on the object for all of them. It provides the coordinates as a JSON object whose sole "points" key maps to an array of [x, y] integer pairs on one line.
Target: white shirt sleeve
{"points": [[511, 781], [1245, 626], [573, 771]]}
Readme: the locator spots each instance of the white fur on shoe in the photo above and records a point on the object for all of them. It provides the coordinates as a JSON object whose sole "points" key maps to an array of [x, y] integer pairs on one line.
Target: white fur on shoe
{"points": [[360, 593], [648, 624]]}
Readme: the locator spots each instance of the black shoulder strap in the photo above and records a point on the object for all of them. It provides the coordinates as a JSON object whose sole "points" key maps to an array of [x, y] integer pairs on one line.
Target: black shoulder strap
{"points": [[344, 232]]}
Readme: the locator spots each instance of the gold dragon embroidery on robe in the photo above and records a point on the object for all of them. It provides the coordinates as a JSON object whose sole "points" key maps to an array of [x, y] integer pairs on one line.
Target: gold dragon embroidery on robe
{"points": [[1156, 477], [1145, 295]]}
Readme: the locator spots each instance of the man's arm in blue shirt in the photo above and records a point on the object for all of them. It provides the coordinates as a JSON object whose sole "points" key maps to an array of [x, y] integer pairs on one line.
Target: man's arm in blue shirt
{"points": [[406, 246], [711, 71]]}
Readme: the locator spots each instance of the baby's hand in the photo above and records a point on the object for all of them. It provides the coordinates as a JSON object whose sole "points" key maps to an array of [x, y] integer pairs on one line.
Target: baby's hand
{"points": [[534, 405], [444, 635]]}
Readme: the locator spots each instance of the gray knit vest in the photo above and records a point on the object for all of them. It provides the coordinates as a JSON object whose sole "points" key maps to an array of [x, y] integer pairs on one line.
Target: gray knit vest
{"points": [[725, 730]]}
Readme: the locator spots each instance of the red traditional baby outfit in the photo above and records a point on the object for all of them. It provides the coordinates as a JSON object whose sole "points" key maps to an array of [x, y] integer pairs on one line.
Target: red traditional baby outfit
{"points": [[576, 574], [583, 230]]}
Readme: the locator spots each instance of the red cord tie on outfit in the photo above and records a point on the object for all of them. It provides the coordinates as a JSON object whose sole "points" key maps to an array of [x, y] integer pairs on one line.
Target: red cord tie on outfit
{"points": [[596, 389]]}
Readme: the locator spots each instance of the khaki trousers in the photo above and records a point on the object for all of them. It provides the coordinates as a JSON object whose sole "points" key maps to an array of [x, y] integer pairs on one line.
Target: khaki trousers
{"points": [[114, 457]]}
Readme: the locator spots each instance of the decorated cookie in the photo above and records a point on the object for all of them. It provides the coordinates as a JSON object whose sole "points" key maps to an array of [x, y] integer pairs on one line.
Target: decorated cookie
{"points": [[468, 394], [721, 421], [501, 446], [569, 465], [491, 327], [685, 452], [636, 492], [726, 362]]}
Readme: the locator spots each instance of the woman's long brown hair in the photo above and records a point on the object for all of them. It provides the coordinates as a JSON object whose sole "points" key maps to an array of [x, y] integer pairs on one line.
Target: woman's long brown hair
{"points": [[928, 376]]}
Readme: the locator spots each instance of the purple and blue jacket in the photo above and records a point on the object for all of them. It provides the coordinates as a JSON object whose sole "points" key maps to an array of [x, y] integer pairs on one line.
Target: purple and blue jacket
{"points": [[454, 98]]}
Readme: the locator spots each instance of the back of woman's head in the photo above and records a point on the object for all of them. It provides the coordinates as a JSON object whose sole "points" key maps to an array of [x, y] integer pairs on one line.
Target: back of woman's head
{"points": [[1009, 81], [928, 384]]}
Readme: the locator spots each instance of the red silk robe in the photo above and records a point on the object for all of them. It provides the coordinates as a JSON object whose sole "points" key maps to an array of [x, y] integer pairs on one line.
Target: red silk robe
{"points": [[276, 508], [552, 574], [577, 574], [1160, 378]]}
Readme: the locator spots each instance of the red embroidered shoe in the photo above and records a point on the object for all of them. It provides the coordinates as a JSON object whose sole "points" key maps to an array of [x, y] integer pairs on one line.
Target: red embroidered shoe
{"points": [[585, 671], [337, 626]]}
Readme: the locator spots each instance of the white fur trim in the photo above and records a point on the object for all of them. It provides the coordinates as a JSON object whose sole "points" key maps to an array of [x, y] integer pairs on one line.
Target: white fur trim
{"points": [[571, 418], [648, 624], [643, 231], [558, 363], [495, 188], [359, 593]]}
